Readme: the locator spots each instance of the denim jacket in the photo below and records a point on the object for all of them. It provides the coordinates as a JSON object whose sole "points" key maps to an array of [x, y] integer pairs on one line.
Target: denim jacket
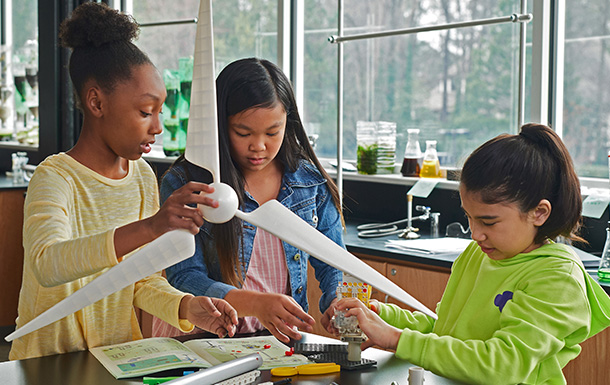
{"points": [[305, 193]]}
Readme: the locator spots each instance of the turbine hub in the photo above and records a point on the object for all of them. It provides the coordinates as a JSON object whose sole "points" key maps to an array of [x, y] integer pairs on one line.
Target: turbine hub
{"points": [[227, 204]]}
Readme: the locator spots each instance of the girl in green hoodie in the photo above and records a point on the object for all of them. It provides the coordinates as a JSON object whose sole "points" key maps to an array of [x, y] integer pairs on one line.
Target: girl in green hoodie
{"points": [[517, 305]]}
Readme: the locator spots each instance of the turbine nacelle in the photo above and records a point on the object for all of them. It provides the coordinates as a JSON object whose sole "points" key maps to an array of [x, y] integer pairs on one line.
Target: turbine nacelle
{"points": [[227, 204]]}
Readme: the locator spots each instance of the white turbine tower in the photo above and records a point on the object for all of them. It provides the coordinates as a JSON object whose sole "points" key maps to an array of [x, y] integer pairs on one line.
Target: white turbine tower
{"points": [[273, 217]]}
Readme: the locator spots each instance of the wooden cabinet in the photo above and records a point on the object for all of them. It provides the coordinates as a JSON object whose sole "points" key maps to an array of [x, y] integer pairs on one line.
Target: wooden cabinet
{"points": [[424, 282], [590, 367], [11, 253]]}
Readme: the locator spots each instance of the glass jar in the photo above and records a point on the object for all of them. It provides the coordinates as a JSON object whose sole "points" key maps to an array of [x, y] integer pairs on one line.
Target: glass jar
{"points": [[431, 167], [367, 147], [411, 163], [386, 147], [376, 153]]}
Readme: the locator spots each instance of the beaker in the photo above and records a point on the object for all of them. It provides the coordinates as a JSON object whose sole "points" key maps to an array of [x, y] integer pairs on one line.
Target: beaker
{"points": [[411, 163], [431, 167]]}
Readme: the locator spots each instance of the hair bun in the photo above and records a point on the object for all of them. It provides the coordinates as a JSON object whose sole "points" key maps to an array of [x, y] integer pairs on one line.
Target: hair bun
{"points": [[95, 24]]}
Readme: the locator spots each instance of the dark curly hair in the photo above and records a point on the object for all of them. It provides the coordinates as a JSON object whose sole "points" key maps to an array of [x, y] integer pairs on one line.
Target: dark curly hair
{"points": [[100, 38]]}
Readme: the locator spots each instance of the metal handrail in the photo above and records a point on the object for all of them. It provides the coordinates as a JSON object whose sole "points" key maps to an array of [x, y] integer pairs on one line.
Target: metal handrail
{"points": [[515, 18], [334, 39], [173, 22]]}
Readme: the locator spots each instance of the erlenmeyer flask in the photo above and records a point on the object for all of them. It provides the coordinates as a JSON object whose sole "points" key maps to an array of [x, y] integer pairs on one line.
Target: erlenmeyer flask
{"points": [[603, 273], [431, 167], [411, 163]]}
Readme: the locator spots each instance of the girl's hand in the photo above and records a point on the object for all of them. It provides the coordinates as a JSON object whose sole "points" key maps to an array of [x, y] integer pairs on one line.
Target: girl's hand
{"points": [[327, 317], [173, 215], [212, 314], [175, 212], [377, 330], [278, 313]]}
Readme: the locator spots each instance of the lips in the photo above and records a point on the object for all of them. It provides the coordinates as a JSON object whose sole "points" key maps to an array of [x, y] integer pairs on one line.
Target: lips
{"points": [[486, 250], [146, 147], [256, 161]]}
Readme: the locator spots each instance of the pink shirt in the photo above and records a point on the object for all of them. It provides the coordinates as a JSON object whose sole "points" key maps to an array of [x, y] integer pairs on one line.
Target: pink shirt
{"points": [[267, 273]]}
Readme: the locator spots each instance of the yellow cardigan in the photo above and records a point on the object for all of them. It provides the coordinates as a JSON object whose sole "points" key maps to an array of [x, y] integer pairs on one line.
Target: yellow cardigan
{"points": [[70, 216]]}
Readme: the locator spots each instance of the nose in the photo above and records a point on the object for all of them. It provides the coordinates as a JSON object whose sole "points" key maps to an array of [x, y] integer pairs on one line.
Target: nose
{"points": [[257, 144], [156, 126], [477, 234]]}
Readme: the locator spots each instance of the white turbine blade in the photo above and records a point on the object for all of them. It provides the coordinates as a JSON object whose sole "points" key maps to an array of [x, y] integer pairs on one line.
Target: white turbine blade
{"points": [[167, 250], [273, 217], [202, 137]]}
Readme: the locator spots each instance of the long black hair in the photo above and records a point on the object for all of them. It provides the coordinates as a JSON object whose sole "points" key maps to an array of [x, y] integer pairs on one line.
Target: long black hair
{"points": [[100, 38], [255, 83], [524, 169]]}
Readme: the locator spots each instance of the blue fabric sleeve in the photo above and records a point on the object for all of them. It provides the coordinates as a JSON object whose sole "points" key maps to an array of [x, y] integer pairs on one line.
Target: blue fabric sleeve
{"points": [[329, 224], [191, 275]]}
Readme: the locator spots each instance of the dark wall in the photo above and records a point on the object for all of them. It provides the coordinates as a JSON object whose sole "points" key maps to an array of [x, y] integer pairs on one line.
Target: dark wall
{"points": [[377, 202]]}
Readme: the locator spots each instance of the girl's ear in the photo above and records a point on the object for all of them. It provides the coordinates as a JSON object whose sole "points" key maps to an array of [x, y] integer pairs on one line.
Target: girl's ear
{"points": [[93, 101], [541, 213]]}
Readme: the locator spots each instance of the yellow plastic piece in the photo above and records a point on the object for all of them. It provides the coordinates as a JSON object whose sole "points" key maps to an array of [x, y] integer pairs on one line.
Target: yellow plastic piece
{"points": [[308, 369]]}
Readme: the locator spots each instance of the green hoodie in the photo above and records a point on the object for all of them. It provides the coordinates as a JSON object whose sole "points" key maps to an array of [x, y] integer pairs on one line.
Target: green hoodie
{"points": [[518, 320]]}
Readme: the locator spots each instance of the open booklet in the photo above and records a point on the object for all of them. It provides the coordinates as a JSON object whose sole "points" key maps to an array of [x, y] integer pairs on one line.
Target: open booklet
{"points": [[151, 355]]}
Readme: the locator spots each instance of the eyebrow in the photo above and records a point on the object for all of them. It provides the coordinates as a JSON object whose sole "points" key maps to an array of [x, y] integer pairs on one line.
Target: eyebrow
{"points": [[149, 95], [487, 217], [274, 125]]}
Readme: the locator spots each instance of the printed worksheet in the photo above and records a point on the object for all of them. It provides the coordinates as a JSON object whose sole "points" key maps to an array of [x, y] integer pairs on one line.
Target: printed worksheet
{"points": [[274, 352], [141, 357]]}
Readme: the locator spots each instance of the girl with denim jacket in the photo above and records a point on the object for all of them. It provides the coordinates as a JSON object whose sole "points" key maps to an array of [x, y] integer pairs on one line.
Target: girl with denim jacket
{"points": [[264, 154]]}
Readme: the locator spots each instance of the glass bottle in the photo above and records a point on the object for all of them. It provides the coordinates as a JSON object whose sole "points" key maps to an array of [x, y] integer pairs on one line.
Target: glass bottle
{"points": [[186, 80], [431, 167], [603, 273], [171, 133], [411, 163]]}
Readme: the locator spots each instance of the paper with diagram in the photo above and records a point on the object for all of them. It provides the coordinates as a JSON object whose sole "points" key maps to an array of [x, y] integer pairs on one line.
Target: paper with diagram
{"points": [[152, 355]]}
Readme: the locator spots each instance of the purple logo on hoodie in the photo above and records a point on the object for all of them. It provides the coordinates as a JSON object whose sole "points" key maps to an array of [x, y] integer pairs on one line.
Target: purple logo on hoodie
{"points": [[501, 299]]}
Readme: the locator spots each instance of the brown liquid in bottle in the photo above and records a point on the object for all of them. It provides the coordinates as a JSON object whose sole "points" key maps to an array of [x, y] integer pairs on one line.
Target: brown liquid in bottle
{"points": [[410, 167]]}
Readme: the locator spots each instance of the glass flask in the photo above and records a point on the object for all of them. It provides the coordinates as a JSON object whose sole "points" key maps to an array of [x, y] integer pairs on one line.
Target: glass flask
{"points": [[185, 65], [431, 167], [603, 273], [411, 163]]}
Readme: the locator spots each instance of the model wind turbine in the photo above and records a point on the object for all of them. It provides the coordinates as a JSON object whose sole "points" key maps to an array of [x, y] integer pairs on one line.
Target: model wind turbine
{"points": [[273, 217], [175, 246]]}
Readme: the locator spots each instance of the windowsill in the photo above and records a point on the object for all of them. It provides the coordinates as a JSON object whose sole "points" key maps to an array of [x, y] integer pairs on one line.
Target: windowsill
{"points": [[14, 145], [396, 179], [588, 185]]}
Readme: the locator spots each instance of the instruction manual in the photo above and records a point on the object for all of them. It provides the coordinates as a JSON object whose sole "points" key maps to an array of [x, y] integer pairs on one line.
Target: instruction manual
{"points": [[151, 355]]}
